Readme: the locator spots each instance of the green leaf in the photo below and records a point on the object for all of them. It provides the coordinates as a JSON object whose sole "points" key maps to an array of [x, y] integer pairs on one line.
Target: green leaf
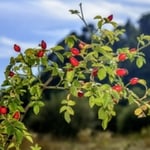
{"points": [[105, 122], [88, 93], [142, 81], [18, 136], [57, 48], [36, 147], [36, 109], [91, 101], [70, 75], [148, 92], [63, 108], [102, 113], [70, 40], [140, 61], [60, 56], [74, 11], [99, 24], [98, 17], [28, 136], [106, 48], [67, 117], [102, 73], [71, 103], [70, 110], [64, 101]]}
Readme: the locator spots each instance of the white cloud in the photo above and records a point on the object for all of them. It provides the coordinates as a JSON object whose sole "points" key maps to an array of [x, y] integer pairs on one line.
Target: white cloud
{"points": [[6, 48], [51, 18]]}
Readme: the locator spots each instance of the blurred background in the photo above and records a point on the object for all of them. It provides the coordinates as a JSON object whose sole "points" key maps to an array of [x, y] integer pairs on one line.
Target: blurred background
{"points": [[30, 21]]}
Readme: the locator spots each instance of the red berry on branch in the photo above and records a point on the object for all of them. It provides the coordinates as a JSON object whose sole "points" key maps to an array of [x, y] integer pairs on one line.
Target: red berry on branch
{"points": [[117, 88], [3, 110], [121, 72], [74, 61], [43, 44], [16, 115], [110, 18], [40, 53], [11, 74], [17, 48], [94, 72], [75, 51], [134, 81], [81, 45], [122, 57], [80, 94], [133, 50]]}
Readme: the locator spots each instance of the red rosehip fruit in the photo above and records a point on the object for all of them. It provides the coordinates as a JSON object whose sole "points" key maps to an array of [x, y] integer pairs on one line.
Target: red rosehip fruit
{"points": [[43, 44], [133, 50], [121, 72], [16, 115], [17, 48], [75, 51], [80, 94], [3, 110], [81, 45], [11, 74], [40, 53], [122, 57], [134, 81], [110, 18], [117, 88], [74, 61], [94, 72]]}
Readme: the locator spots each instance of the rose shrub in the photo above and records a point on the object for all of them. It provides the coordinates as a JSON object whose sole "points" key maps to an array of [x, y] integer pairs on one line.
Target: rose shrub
{"points": [[90, 70]]}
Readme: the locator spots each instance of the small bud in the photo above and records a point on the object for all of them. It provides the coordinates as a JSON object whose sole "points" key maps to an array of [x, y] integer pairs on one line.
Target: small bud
{"points": [[94, 72], [43, 44], [133, 50], [16, 115], [11, 74], [80, 94], [17, 48], [110, 18]]}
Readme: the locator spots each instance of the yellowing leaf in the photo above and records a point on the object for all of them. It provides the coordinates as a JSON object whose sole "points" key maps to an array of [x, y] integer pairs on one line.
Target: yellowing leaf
{"points": [[138, 111], [142, 81]]}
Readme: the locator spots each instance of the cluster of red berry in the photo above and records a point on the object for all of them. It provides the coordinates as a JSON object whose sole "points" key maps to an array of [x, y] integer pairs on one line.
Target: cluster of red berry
{"points": [[75, 52], [40, 53], [4, 110], [75, 62], [121, 72]]}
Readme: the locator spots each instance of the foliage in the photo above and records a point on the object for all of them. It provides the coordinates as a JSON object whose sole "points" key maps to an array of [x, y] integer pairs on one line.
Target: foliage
{"points": [[49, 118], [93, 72]]}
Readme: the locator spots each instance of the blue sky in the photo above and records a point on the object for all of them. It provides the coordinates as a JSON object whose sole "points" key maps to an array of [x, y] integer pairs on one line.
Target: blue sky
{"points": [[27, 22]]}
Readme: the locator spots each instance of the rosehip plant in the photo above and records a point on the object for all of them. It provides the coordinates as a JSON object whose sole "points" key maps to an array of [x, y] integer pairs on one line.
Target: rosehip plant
{"points": [[91, 70]]}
